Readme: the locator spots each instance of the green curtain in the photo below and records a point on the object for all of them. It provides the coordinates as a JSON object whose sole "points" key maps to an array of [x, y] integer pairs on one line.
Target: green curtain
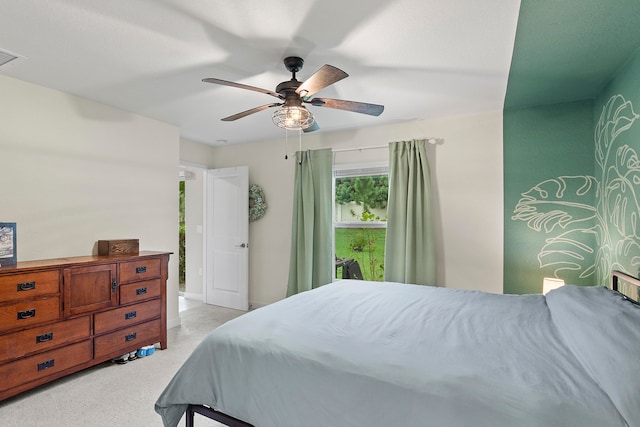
{"points": [[311, 262], [410, 250]]}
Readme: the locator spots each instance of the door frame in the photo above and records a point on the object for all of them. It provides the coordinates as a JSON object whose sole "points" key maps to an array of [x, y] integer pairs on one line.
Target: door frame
{"points": [[195, 249]]}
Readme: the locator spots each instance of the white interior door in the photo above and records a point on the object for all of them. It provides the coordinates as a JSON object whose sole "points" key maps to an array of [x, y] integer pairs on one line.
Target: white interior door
{"points": [[227, 234]]}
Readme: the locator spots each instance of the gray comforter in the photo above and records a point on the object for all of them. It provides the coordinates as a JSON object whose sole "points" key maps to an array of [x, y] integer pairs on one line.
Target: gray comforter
{"points": [[367, 354]]}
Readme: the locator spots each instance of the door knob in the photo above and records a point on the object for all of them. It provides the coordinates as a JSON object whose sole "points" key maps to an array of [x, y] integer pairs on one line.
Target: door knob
{"points": [[242, 245]]}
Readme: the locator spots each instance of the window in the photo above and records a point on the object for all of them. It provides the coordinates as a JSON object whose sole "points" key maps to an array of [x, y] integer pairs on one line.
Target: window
{"points": [[359, 220]]}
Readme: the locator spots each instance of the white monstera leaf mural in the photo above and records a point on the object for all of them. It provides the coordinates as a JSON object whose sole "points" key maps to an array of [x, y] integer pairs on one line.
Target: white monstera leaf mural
{"points": [[592, 224]]}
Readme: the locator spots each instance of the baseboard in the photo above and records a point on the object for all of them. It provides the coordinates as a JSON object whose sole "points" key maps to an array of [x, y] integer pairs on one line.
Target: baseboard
{"points": [[173, 323], [193, 295], [254, 305]]}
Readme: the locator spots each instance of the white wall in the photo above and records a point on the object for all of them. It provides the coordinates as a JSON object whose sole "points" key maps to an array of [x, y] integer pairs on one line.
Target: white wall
{"points": [[467, 179], [74, 172], [469, 183]]}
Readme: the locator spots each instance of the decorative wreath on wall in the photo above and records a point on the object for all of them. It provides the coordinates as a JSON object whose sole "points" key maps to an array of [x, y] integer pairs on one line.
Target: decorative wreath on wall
{"points": [[257, 203]]}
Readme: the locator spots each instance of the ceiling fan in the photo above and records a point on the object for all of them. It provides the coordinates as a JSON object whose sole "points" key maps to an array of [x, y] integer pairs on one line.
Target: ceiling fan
{"points": [[293, 93]]}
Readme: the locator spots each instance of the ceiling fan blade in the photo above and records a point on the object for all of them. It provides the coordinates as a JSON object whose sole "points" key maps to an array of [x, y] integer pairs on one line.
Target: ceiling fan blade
{"points": [[251, 111], [241, 86], [325, 76], [356, 107], [312, 128]]}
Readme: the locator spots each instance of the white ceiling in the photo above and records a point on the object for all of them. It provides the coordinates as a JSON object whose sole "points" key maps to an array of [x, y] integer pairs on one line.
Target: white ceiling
{"points": [[420, 58]]}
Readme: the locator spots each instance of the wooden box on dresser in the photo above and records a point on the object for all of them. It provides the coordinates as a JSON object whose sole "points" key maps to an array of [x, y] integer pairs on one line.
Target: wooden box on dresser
{"points": [[59, 316]]}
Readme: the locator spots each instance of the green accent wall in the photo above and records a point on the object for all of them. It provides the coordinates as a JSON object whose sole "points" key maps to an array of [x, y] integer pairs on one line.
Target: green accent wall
{"points": [[548, 195], [572, 187], [571, 144], [617, 165]]}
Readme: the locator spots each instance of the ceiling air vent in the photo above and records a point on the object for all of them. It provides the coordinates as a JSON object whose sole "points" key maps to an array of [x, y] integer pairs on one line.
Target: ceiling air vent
{"points": [[6, 57]]}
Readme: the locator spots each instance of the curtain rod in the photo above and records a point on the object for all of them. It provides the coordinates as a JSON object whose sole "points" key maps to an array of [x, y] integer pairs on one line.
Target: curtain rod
{"points": [[373, 147], [430, 140]]}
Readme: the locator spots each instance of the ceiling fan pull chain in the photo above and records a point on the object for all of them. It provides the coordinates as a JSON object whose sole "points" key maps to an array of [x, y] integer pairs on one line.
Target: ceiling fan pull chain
{"points": [[300, 156], [300, 140], [285, 145]]}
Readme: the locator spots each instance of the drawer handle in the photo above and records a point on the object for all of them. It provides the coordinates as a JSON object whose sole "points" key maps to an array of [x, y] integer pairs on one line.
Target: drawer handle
{"points": [[26, 314], [130, 315], [44, 337], [141, 291], [130, 337], [26, 286], [46, 365], [142, 269]]}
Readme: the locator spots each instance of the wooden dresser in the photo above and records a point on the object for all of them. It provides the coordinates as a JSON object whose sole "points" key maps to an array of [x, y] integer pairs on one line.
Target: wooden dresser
{"points": [[59, 316]]}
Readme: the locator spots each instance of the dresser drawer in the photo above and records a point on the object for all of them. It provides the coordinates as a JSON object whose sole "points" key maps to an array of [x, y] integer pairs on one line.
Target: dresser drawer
{"points": [[29, 285], [28, 313], [127, 339], [44, 364], [139, 270], [140, 291], [40, 338], [125, 316]]}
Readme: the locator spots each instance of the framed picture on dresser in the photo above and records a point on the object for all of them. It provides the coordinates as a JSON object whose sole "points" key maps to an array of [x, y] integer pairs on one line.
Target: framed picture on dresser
{"points": [[8, 243]]}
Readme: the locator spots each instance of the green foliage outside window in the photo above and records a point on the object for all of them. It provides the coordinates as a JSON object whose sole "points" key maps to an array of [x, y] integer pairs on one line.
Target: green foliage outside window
{"points": [[368, 191], [365, 247], [364, 244]]}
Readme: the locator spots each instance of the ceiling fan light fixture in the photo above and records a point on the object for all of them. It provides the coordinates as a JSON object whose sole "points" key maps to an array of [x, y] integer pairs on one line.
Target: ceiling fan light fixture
{"points": [[293, 117]]}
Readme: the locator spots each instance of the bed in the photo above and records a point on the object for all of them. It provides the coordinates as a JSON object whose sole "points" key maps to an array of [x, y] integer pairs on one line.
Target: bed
{"points": [[367, 354]]}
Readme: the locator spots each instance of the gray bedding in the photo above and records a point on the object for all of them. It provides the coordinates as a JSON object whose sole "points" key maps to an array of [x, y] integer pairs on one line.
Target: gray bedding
{"points": [[367, 354]]}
